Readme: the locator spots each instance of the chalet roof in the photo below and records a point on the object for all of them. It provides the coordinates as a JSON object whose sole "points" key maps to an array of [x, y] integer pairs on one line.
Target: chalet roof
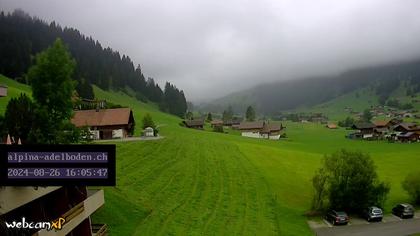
{"points": [[408, 126], [216, 122], [196, 122], [3, 86], [268, 128], [379, 123], [363, 125], [233, 121], [102, 117], [251, 125]]}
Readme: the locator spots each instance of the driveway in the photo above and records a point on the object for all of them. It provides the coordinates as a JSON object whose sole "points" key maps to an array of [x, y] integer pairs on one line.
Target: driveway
{"points": [[392, 226], [128, 139]]}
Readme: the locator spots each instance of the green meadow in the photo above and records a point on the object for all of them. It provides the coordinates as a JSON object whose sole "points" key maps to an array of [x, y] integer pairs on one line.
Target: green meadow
{"points": [[195, 182]]}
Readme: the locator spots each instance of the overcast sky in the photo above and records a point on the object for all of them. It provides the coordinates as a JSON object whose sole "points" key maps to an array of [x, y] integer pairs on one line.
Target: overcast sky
{"points": [[210, 48]]}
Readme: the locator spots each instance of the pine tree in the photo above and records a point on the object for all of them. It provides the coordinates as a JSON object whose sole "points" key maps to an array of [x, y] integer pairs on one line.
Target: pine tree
{"points": [[250, 114], [148, 121], [209, 117]]}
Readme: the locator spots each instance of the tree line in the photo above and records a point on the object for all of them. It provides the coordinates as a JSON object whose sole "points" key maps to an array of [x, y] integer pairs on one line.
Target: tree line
{"points": [[23, 36]]}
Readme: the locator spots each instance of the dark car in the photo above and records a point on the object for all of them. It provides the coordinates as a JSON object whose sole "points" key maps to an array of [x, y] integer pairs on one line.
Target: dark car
{"points": [[403, 210], [373, 214], [337, 217]]}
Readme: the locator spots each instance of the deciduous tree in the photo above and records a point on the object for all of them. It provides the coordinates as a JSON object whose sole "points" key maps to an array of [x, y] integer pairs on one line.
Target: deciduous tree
{"points": [[19, 117], [348, 181], [411, 184], [52, 90]]}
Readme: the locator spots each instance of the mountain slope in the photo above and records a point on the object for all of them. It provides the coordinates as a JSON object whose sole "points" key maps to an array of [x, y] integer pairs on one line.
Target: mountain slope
{"points": [[22, 37], [286, 95]]}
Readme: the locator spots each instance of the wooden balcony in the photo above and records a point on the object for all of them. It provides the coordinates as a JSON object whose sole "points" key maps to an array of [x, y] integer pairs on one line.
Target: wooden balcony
{"points": [[14, 197], [99, 230], [78, 214]]}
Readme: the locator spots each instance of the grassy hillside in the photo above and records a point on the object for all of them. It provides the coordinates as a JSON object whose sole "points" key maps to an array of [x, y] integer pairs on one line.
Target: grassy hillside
{"points": [[14, 90], [195, 182], [358, 100], [205, 183]]}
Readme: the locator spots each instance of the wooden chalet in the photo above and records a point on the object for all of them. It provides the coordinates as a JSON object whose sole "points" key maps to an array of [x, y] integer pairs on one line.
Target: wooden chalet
{"points": [[365, 130], [364, 127], [215, 123], [106, 123], [318, 118], [260, 129], [407, 127], [271, 131], [194, 124], [382, 123], [233, 122]]}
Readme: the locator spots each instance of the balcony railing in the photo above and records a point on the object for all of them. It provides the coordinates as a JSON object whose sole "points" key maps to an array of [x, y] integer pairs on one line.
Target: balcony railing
{"points": [[78, 214], [99, 229]]}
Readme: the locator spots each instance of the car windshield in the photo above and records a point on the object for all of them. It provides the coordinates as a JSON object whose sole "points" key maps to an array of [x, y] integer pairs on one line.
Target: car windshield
{"points": [[377, 211], [341, 213]]}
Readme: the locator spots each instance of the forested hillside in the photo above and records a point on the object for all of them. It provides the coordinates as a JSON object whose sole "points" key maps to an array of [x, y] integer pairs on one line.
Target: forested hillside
{"points": [[286, 95], [23, 36]]}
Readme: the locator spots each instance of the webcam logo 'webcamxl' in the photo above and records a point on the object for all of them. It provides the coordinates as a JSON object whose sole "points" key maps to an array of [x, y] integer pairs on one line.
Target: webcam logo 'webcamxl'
{"points": [[23, 224]]}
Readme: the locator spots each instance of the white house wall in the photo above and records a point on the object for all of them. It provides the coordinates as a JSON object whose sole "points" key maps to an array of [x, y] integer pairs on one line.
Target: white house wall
{"points": [[258, 135], [251, 134]]}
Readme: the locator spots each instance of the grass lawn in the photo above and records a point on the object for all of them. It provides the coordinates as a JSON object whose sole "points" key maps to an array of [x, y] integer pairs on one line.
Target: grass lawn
{"points": [[205, 183]]}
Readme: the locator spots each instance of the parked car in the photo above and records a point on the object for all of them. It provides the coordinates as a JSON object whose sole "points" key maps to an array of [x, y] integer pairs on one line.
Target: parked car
{"points": [[403, 210], [337, 217], [373, 214]]}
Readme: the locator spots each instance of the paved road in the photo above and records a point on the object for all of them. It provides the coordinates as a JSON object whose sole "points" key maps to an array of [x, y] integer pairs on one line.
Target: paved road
{"points": [[403, 228]]}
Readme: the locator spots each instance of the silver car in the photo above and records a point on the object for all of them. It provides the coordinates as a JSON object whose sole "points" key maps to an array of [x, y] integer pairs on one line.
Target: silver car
{"points": [[373, 214]]}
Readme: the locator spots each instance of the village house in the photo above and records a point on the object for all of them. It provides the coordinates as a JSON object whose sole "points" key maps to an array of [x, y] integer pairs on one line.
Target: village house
{"points": [[382, 128], [106, 123], [318, 118], [215, 123], [260, 129], [235, 122], [3, 90], [365, 130], [331, 126], [194, 124], [393, 130], [407, 127]]}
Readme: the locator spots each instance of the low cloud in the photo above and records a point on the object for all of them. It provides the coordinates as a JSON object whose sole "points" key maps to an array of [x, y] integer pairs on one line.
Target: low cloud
{"points": [[210, 48]]}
